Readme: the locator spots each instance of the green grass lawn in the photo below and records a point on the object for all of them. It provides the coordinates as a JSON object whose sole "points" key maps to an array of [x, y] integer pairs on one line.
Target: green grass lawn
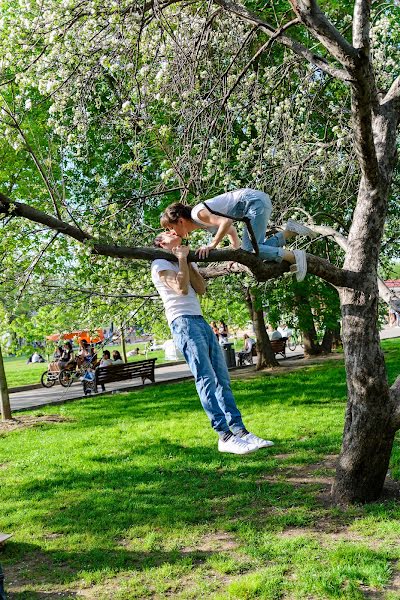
{"points": [[128, 498]]}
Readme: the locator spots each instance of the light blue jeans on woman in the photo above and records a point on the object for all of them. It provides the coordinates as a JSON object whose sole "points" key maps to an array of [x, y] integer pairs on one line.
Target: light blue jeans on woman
{"points": [[257, 207], [195, 339]]}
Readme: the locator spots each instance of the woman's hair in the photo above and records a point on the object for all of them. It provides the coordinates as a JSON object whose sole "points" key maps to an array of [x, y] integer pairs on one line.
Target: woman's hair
{"points": [[106, 353], [174, 212], [116, 355]]}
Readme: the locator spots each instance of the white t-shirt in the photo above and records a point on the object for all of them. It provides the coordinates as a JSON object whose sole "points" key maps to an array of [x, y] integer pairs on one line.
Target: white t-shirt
{"points": [[175, 304], [223, 203], [285, 331], [106, 362]]}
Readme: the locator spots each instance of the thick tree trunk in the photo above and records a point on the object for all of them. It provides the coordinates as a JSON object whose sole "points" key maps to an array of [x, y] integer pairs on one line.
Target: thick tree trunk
{"points": [[368, 433], [265, 354], [327, 341], [4, 397], [368, 436], [306, 322]]}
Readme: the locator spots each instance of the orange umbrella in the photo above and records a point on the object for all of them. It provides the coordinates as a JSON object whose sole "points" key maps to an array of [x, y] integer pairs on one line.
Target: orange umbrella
{"points": [[96, 336]]}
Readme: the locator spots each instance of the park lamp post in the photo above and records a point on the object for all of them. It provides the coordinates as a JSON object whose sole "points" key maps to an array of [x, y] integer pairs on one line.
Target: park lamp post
{"points": [[4, 397]]}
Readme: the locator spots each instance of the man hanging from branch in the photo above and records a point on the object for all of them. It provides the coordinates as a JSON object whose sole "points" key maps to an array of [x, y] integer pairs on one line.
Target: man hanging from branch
{"points": [[178, 285], [251, 206]]}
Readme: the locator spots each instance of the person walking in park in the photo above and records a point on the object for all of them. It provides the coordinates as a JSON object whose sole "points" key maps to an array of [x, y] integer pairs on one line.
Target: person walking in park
{"points": [[178, 284], [253, 204]]}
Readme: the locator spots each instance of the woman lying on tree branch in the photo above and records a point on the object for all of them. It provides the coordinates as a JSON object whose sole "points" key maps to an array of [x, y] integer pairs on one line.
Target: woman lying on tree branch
{"points": [[217, 215]]}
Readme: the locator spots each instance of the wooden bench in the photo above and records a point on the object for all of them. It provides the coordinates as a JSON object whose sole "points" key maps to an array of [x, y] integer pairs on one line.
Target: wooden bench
{"points": [[141, 368], [279, 346]]}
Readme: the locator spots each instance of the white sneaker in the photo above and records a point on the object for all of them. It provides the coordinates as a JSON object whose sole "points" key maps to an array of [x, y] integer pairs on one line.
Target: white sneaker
{"points": [[254, 440], [236, 445], [300, 229], [300, 268]]}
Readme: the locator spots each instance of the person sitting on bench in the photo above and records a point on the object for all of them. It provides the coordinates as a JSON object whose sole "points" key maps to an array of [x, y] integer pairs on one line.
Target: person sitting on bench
{"points": [[247, 352]]}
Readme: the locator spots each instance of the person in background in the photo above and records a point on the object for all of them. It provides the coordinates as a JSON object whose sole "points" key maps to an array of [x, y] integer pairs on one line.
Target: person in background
{"points": [[57, 353], [273, 333], [82, 352], [67, 357], [106, 359], [285, 331], [117, 358], [214, 327], [248, 344], [223, 333], [37, 358]]}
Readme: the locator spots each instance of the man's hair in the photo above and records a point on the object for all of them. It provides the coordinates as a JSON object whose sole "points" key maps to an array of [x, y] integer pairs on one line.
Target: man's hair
{"points": [[157, 240], [174, 212]]}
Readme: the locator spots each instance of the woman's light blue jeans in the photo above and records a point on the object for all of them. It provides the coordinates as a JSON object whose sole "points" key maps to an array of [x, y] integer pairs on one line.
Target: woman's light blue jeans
{"points": [[195, 339], [257, 206]]}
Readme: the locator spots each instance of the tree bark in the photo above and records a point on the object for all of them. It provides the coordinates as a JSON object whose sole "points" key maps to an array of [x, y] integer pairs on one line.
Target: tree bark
{"points": [[306, 322], [368, 435], [327, 341], [4, 397], [265, 354]]}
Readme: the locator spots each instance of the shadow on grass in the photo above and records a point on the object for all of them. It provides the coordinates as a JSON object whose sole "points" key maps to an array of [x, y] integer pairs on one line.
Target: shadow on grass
{"points": [[55, 566]]}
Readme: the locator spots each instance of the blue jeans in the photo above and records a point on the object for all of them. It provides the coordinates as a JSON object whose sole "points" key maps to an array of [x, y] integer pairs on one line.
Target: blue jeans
{"points": [[195, 339], [258, 207]]}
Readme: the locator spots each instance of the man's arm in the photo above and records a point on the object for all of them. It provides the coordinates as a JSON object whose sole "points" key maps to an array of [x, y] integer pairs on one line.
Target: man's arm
{"points": [[197, 281], [178, 282]]}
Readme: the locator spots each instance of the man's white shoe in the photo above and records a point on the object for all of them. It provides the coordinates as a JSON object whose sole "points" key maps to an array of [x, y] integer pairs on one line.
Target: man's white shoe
{"points": [[236, 445], [254, 440], [300, 229], [300, 268]]}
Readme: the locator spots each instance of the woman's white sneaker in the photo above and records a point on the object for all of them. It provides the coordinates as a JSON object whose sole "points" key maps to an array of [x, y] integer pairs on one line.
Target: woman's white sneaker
{"points": [[300, 268], [236, 445], [250, 438]]}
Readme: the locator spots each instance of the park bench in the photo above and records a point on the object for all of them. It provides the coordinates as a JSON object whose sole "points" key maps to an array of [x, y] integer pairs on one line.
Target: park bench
{"points": [[279, 346], [141, 368]]}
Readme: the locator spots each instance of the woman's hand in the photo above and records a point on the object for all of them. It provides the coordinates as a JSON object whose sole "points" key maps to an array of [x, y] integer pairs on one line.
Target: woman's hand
{"points": [[204, 251]]}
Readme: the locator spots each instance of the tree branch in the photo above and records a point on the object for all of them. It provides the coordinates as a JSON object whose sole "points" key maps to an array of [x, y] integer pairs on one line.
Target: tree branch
{"points": [[393, 97], [384, 292], [324, 31], [361, 20], [262, 271], [315, 59]]}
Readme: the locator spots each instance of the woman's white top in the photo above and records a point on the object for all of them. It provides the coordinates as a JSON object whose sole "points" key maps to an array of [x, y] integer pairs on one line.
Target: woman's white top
{"points": [[224, 203]]}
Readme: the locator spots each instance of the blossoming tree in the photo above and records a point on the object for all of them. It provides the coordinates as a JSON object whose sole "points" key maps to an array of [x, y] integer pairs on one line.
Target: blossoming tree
{"points": [[165, 96]]}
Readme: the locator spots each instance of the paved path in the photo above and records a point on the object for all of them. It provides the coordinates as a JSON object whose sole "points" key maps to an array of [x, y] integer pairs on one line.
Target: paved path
{"points": [[35, 398]]}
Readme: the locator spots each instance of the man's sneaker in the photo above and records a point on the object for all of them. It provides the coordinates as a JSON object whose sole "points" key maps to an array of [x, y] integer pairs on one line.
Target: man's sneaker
{"points": [[299, 228], [254, 440], [236, 445], [300, 268]]}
